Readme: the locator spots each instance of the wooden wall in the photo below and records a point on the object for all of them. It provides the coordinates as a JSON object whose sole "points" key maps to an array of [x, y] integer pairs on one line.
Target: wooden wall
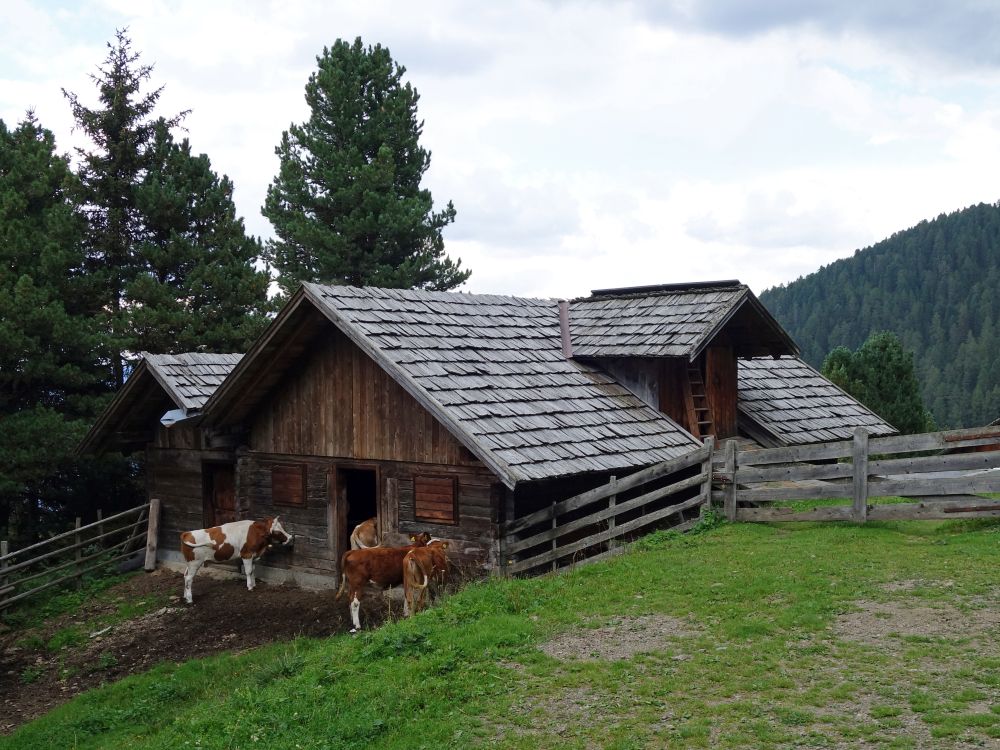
{"points": [[722, 387], [316, 525], [175, 477], [339, 402]]}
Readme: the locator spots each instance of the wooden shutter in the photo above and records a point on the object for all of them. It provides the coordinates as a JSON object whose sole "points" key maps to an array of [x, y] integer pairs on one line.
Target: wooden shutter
{"points": [[288, 484], [435, 500]]}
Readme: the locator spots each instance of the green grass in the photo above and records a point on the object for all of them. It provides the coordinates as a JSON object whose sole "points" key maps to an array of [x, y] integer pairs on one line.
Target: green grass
{"points": [[765, 661]]}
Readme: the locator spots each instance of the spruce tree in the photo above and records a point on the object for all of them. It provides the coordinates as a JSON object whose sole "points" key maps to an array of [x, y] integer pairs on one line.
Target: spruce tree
{"points": [[51, 377], [198, 287], [346, 205], [165, 248], [881, 375]]}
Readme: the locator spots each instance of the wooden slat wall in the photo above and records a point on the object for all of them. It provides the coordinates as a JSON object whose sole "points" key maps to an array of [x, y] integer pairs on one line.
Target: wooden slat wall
{"points": [[721, 385], [340, 403], [673, 374]]}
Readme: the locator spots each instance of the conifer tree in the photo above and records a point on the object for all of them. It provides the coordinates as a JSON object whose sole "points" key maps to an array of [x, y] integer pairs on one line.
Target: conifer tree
{"points": [[165, 248], [51, 379], [881, 375], [346, 205]]}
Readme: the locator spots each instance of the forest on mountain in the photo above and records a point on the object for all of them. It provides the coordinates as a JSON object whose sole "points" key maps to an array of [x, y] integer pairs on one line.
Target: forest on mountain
{"points": [[936, 287]]}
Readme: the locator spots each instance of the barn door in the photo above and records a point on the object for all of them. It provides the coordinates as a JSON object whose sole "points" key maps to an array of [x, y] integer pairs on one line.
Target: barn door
{"points": [[220, 494]]}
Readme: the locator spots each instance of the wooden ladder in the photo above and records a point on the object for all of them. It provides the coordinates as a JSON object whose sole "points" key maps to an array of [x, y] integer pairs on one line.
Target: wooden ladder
{"points": [[698, 409]]}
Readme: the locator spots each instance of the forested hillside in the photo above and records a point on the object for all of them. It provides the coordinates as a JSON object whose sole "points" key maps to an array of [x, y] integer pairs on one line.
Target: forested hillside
{"points": [[937, 285]]}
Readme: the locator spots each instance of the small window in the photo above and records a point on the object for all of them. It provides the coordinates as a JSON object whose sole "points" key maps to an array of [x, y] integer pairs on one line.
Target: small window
{"points": [[288, 484], [434, 500]]}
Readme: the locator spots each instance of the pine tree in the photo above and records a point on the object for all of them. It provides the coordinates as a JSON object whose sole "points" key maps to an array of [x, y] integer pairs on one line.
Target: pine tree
{"points": [[165, 248], [346, 205], [198, 287], [881, 375], [51, 380]]}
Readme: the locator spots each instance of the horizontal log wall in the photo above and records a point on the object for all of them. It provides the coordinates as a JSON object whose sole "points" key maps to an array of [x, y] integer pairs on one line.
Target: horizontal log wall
{"points": [[947, 482], [472, 538], [176, 478]]}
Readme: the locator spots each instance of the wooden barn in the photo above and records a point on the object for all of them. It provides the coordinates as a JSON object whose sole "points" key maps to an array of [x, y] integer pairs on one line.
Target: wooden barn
{"points": [[457, 413]]}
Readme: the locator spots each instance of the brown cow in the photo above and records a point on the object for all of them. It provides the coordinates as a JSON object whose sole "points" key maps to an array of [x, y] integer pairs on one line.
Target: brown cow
{"points": [[365, 534], [243, 540], [379, 566], [421, 567]]}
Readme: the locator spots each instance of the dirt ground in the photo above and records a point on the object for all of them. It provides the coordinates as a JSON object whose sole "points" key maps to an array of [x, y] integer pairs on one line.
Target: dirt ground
{"points": [[224, 617]]}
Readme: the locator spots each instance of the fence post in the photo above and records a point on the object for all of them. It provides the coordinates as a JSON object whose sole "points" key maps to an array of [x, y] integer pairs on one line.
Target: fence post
{"points": [[730, 489], [4, 551], [612, 500], [79, 554], [100, 529], [555, 560], [152, 533], [706, 466], [859, 456]]}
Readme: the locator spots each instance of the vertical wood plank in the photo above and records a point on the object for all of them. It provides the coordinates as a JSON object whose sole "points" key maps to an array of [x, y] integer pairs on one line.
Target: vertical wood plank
{"points": [[706, 468], [79, 553], [100, 529], [859, 455], [730, 491], [152, 534], [612, 499], [4, 551], [555, 560]]}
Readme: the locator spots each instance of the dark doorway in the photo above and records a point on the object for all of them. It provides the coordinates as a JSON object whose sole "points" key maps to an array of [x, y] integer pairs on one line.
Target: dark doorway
{"points": [[358, 497], [219, 504]]}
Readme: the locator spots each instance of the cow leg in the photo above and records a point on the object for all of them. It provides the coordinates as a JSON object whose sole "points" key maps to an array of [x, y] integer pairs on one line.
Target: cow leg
{"points": [[355, 611], [248, 569], [192, 569]]}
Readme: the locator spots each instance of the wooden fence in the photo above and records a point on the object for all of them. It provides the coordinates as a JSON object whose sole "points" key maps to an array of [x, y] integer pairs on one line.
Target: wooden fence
{"points": [[68, 556], [945, 481], [595, 524]]}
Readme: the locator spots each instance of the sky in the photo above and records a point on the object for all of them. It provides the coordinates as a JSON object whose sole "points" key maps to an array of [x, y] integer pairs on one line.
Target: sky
{"points": [[587, 145]]}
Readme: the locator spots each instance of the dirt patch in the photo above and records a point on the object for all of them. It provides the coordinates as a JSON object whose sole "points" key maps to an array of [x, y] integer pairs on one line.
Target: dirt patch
{"points": [[224, 617], [621, 639], [882, 623]]}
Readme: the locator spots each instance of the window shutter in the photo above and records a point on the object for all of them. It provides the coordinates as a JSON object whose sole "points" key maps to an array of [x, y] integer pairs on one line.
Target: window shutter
{"points": [[435, 500], [288, 484]]}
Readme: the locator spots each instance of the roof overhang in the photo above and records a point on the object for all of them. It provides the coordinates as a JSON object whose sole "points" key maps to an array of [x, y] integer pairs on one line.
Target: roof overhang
{"points": [[127, 421]]}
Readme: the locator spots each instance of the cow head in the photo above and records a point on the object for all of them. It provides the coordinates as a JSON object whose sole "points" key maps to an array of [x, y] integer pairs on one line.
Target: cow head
{"points": [[276, 534], [420, 540]]}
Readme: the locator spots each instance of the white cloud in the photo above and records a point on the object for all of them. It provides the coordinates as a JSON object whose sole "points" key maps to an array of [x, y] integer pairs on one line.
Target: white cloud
{"points": [[584, 145]]}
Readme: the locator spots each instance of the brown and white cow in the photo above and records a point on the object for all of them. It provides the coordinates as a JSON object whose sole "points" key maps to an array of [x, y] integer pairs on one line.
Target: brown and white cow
{"points": [[379, 566], [243, 540], [423, 566], [365, 534]]}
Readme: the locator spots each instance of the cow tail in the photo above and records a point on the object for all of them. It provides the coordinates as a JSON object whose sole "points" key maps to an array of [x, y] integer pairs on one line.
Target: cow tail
{"points": [[343, 587]]}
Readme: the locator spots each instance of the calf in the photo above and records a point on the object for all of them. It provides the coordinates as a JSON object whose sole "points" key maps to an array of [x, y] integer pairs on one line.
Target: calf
{"points": [[365, 534], [379, 566], [246, 540], [421, 566]]}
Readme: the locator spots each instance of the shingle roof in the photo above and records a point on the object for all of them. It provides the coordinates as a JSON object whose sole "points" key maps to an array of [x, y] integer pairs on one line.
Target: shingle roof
{"points": [[792, 404], [191, 378], [492, 369], [158, 383], [666, 321]]}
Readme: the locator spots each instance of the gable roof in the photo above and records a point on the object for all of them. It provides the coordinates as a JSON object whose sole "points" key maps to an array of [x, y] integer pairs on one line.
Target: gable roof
{"points": [[676, 320], [158, 383], [488, 367], [786, 402]]}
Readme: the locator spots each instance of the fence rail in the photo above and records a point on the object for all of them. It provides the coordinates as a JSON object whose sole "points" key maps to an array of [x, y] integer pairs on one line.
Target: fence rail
{"points": [[68, 556], [946, 477], [588, 526]]}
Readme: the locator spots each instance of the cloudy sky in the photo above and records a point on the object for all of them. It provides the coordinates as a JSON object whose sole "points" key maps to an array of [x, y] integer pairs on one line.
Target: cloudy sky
{"points": [[588, 145]]}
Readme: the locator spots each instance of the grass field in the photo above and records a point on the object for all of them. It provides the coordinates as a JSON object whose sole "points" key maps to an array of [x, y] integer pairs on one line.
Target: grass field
{"points": [[741, 636]]}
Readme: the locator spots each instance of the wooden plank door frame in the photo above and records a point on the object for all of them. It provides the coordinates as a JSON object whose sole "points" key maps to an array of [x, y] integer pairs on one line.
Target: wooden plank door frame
{"points": [[337, 505], [209, 507]]}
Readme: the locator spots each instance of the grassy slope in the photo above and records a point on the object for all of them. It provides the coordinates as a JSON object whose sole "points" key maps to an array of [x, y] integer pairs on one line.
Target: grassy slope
{"points": [[762, 667]]}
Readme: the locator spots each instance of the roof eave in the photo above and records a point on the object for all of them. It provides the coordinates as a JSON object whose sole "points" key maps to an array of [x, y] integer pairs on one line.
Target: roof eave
{"points": [[95, 435], [746, 297]]}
